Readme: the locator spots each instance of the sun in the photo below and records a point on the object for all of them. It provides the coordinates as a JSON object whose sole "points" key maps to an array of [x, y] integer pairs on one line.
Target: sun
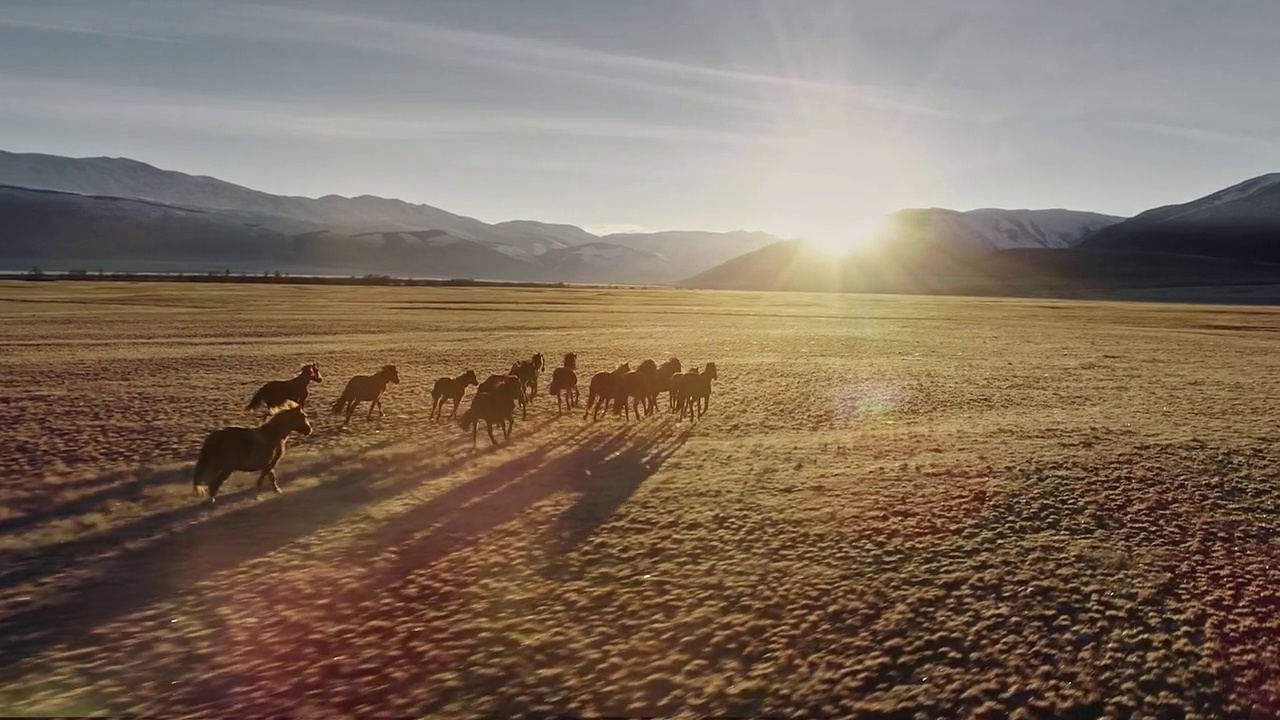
{"points": [[846, 238]]}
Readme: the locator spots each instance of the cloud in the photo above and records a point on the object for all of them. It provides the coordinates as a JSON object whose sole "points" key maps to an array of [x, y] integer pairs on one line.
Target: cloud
{"points": [[28, 25], [148, 107], [522, 54], [1197, 134]]}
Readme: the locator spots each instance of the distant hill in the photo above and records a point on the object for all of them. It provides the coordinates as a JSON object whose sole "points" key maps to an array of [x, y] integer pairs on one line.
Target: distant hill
{"points": [[1241, 222], [239, 209], [1056, 272], [1227, 238], [914, 244], [992, 228], [57, 230]]}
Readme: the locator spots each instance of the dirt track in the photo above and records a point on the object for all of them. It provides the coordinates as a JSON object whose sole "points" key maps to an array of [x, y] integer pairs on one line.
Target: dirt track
{"points": [[895, 506]]}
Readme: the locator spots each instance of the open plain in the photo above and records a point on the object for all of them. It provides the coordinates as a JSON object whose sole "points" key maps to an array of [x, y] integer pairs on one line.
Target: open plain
{"points": [[895, 507]]}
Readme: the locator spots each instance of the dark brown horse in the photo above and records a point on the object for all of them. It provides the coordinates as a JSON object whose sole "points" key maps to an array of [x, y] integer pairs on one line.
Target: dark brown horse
{"points": [[509, 385], [662, 383], [564, 383], [447, 388], [527, 371], [633, 389], [363, 388], [493, 408], [681, 385], [602, 389], [275, 393], [237, 449], [695, 391]]}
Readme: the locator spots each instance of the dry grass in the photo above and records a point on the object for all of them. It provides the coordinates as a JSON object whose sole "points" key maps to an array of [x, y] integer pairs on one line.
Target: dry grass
{"points": [[896, 507]]}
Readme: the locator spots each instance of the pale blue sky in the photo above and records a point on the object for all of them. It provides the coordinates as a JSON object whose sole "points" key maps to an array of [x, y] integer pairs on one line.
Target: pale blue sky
{"points": [[798, 116]]}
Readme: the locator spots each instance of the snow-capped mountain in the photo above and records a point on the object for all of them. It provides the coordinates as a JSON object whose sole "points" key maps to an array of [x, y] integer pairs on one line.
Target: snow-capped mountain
{"points": [[990, 229], [524, 241], [1240, 222]]}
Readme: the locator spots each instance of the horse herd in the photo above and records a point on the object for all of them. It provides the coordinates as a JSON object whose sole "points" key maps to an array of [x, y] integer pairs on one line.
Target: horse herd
{"points": [[626, 391]]}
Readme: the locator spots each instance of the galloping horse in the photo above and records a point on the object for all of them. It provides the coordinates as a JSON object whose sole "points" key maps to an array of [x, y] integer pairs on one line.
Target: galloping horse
{"points": [[662, 383], [509, 385], [695, 393], [275, 393], [237, 449], [564, 383], [366, 387], [527, 371], [491, 407], [603, 388], [635, 387], [450, 389]]}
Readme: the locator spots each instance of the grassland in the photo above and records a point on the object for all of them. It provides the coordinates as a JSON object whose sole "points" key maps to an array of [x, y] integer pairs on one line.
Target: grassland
{"points": [[896, 507]]}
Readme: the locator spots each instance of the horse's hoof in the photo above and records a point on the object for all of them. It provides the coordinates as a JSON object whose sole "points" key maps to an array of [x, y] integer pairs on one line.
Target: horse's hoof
{"points": [[276, 490]]}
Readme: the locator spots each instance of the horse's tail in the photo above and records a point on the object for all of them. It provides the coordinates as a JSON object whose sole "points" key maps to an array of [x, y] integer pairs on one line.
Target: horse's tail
{"points": [[467, 418], [341, 403], [259, 398], [202, 464]]}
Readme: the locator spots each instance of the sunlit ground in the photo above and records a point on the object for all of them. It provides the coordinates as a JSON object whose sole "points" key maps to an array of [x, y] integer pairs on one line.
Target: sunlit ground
{"points": [[895, 507]]}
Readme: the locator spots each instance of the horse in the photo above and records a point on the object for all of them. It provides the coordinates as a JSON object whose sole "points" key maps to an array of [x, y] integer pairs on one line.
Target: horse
{"points": [[447, 388], [491, 407], [696, 393], [680, 386], [275, 393], [527, 371], [635, 387], [564, 383], [602, 390], [366, 387], [509, 385], [662, 383], [238, 449]]}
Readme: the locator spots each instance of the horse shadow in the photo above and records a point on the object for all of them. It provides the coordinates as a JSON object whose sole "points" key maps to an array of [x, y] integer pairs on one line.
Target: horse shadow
{"points": [[189, 553], [602, 468]]}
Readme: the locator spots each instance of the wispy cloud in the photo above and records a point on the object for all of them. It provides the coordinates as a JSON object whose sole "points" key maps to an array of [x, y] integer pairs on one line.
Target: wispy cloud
{"points": [[523, 54], [1196, 134], [31, 26], [148, 107]]}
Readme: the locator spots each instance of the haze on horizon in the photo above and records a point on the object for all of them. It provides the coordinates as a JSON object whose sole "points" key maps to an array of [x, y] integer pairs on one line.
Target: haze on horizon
{"points": [[810, 119]]}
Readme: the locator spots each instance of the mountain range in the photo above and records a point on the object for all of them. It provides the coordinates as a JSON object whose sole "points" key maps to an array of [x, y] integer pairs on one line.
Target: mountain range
{"points": [[117, 213], [1229, 237], [120, 214]]}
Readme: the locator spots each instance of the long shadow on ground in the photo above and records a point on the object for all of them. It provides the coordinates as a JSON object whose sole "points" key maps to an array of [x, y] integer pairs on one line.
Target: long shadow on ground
{"points": [[135, 579], [604, 467]]}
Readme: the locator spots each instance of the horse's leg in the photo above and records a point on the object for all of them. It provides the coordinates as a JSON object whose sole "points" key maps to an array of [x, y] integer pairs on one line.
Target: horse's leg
{"points": [[454, 414], [475, 431], [216, 483], [268, 475], [488, 427], [351, 410]]}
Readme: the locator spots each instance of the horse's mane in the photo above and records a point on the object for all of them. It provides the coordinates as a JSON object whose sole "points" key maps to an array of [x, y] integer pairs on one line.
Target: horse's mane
{"points": [[287, 405]]}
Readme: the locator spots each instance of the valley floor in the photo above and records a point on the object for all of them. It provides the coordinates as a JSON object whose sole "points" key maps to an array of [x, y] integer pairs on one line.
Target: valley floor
{"points": [[894, 506]]}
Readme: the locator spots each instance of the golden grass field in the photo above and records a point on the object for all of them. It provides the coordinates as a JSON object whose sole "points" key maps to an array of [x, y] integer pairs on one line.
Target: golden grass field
{"points": [[896, 507]]}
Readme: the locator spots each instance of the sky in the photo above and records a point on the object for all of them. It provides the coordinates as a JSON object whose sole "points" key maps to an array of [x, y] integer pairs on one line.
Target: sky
{"points": [[799, 117]]}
